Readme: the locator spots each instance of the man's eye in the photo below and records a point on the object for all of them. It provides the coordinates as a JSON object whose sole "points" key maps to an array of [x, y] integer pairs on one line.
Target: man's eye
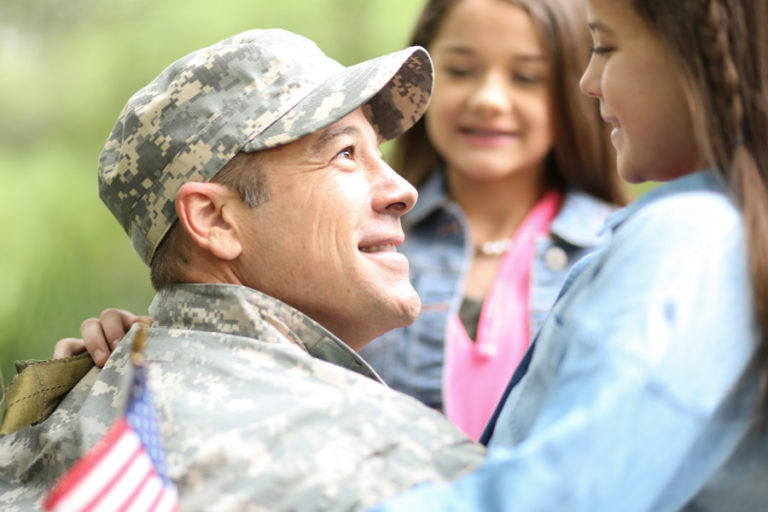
{"points": [[348, 153]]}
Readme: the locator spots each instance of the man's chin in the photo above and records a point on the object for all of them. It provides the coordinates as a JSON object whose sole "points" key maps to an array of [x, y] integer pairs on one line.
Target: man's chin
{"points": [[414, 312], [396, 316], [409, 311]]}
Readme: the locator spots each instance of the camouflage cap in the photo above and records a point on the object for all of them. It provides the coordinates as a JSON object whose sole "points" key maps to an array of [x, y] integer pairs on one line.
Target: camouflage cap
{"points": [[253, 91]]}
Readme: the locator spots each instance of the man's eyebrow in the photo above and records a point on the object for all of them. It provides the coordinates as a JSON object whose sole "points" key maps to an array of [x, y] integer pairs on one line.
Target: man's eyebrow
{"points": [[332, 134]]}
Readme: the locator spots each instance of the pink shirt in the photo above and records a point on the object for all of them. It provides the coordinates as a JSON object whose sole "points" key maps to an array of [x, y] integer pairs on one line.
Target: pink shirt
{"points": [[476, 373]]}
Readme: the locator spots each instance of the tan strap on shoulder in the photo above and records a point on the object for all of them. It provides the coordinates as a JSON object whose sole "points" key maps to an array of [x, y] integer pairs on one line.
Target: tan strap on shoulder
{"points": [[36, 391]]}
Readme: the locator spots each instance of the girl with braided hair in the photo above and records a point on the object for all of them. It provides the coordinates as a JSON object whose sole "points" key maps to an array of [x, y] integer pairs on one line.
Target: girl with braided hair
{"points": [[646, 386]]}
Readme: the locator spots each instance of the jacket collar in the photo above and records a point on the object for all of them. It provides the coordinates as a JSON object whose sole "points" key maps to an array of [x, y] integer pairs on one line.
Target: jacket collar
{"points": [[700, 181], [578, 222], [581, 219], [242, 311], [433, 195]]}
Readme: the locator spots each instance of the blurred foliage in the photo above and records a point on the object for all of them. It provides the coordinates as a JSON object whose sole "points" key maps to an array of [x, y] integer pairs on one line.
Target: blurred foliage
{"points": [[68, 68]]}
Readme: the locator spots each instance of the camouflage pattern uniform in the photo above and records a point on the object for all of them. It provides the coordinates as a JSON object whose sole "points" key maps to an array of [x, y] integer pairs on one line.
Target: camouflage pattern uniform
{"points": [[253, 415], [260, 407]]}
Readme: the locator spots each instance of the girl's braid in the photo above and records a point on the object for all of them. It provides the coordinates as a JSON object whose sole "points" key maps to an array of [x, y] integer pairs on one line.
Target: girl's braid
{"points": [[722, 79], [728, 49]]}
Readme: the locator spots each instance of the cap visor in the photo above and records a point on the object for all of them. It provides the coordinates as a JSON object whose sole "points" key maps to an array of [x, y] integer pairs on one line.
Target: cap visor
{"points": [[395, 87]]}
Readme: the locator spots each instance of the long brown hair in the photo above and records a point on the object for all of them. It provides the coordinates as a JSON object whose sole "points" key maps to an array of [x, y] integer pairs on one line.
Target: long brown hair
{"points": [[582, 157], [721, 48]]}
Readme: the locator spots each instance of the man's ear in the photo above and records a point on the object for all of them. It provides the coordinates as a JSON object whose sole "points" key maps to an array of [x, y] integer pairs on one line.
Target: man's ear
{"points": [[204, 211]]}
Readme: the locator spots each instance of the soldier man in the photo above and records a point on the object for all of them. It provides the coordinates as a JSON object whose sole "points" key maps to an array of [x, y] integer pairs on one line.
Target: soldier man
{"points": [[249, 179]]}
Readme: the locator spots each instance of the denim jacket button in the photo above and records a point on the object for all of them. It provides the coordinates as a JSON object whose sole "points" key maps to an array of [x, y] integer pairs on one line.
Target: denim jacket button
{"points": [[555, 258]]}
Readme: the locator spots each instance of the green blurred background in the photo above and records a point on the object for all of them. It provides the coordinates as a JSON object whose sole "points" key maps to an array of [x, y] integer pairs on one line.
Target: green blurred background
{"points": [[66, 69]]}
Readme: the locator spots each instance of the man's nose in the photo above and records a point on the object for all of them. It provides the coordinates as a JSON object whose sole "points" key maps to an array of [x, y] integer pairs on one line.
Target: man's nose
{"points": [[395, 194]]}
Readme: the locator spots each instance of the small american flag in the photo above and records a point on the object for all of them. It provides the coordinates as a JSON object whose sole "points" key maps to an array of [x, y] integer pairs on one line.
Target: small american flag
{"points": [[126, 469]]}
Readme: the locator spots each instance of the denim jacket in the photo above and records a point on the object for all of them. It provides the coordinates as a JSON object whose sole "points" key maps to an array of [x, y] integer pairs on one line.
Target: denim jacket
{"points": [[641, 394], [439, 249]]}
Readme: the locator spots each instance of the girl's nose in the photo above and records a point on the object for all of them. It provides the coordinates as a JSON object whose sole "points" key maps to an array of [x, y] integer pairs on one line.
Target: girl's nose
{"points": [[590, 80], [491, 94]]}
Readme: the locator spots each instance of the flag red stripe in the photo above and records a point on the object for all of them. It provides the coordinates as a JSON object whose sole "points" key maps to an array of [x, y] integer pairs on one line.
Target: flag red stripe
{"points": [[86, 464], [116, 478], [168, 501], [132, 497], [117, 473], [158, 498], [156, 501]]}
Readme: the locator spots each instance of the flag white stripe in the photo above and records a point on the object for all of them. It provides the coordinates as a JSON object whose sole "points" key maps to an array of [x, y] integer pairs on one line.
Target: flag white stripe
{"points": [[147, 496], [102, 473], [130, 481], [169, 502]]}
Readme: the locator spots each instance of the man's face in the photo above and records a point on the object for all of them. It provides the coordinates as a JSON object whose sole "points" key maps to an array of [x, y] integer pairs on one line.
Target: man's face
{"points": [[325, 242]]}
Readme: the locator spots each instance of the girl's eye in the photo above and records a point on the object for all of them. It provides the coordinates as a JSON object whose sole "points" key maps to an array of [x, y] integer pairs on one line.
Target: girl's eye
{"points": [[458, 72], [522, 78], [601, 50]]}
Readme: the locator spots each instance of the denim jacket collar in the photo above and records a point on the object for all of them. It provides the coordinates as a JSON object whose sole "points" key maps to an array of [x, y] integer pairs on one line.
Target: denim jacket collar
{"points": [[579, 221], [705, 180], [433, 195]]}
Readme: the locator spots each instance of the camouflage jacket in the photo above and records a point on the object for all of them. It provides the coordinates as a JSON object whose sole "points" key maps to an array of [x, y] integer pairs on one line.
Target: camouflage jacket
{"points": [[260, 408]]}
